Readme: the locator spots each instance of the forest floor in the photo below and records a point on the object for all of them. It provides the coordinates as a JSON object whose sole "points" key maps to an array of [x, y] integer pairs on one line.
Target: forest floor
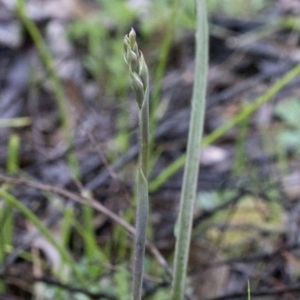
{"points": [[69, 146]]}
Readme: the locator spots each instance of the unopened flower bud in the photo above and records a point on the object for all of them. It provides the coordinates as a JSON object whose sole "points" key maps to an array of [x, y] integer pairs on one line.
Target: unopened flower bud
{"points": [[125, 43], [135, 49], [143, 70], [137, 65], [132, 37], [134, 63], [138, 88]]}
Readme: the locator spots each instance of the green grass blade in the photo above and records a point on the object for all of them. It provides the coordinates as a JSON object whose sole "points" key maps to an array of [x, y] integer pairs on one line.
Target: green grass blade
{"points": [[90, 237], [11, 200], [58, 88], [15, 122], [13, 154], [249, 290], [190, 178], [216, 134]]}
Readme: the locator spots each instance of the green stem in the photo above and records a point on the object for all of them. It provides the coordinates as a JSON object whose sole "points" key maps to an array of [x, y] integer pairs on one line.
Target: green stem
{"points": [[144, 134], [191, 170], [143, 200]]}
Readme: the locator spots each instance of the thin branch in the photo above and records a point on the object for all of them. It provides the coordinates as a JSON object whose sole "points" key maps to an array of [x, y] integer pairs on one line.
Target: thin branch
{"points": [[90, 202], [65, 286]]}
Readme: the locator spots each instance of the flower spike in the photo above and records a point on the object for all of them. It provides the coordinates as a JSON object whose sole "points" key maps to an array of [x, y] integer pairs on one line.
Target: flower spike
{"points": [[139, 78]]}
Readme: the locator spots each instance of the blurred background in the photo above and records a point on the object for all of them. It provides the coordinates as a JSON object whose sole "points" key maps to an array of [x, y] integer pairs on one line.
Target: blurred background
{"points": [[68, 148]]}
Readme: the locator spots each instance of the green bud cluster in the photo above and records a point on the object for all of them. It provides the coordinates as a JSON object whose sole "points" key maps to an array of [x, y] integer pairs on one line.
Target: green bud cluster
{"points": [[138, 69]]}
